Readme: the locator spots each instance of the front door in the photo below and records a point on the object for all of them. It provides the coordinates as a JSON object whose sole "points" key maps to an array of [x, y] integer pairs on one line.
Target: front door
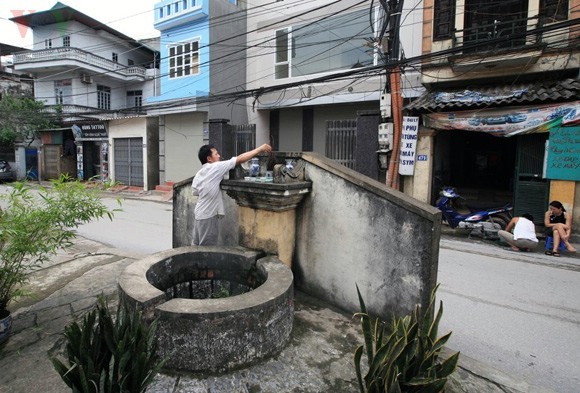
{"points": [[531, 191], [129, 161]]}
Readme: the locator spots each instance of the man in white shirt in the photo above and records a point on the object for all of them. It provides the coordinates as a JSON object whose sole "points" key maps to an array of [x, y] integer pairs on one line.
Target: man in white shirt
{"points": [[206, 185], [524, 233]]}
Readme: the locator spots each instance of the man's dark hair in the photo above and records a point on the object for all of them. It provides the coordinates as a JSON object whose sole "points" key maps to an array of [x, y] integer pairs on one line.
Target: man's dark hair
{"points": [[528, 216], [204, 153]]}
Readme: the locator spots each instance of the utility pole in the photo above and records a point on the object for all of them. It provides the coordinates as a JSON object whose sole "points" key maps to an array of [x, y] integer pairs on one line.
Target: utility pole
{"points": [[391, 28]]}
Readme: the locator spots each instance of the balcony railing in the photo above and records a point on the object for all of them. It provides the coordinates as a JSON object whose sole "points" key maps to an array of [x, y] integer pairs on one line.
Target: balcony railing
{"points": [[75, 54], [67, 111], [507, 34]]}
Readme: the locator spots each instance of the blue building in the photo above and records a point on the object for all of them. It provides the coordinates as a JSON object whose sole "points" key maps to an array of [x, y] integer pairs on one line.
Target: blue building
{"points": [[201, 57]]}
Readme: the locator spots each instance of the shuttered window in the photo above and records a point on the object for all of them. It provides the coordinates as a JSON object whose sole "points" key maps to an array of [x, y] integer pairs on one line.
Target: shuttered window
{"points": [[443, 19]]}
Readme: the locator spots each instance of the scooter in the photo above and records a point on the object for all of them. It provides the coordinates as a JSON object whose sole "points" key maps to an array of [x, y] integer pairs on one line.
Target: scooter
{"points": [[484, 223]]}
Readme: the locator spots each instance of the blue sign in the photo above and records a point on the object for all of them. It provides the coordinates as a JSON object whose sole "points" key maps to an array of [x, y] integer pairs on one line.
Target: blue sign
{"points": [[422, 157], [564, 154]]}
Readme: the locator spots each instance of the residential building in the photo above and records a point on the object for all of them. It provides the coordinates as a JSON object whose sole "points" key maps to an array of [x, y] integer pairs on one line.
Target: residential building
{"points": [[317, 69], [96, 79], [202, 60], [502, 103]]}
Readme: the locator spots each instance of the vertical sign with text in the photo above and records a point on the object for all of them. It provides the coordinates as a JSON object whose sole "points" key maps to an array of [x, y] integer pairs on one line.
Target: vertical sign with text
{"points": [[408, 145]]}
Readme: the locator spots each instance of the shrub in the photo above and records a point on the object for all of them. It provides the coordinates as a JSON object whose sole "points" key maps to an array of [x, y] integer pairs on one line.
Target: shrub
{"points": [[109, 355], [403, 357], [34, 224]]}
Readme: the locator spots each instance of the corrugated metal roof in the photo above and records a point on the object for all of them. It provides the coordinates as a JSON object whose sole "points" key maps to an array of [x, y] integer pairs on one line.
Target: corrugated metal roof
{"points": [[493, 96]]}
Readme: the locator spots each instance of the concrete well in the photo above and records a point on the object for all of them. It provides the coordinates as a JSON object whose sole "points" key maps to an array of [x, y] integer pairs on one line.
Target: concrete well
{"points": [[212, 334]]}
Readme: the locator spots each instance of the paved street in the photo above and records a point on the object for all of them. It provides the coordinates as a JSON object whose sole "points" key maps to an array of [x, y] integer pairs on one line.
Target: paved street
{"points": [[518, 312]]}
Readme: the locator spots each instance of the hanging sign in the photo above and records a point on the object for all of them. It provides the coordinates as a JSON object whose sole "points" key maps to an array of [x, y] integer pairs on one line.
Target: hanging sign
{"points": [[509, 121], [408, 145], [90, 131]]}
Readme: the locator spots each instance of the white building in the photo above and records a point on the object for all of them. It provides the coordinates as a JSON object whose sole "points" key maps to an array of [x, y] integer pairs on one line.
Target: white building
{"points": [[96, 78], [294, 47]]}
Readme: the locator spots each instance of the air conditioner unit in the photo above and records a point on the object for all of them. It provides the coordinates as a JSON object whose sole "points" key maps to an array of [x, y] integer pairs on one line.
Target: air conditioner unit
{"points": [[86, 78]]}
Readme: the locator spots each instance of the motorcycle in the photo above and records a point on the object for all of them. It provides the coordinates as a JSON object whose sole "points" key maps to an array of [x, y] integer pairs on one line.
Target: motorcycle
{"points": [[484, 223]]}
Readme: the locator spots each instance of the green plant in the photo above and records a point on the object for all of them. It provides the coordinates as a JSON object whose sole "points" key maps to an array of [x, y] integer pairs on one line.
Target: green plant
{"points": [[403, 357], [107, 354], [20, 118], [34, 225]]}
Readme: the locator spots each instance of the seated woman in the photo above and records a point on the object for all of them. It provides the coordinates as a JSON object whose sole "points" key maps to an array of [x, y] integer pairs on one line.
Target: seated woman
{"points": [[559, 226], [524, 236]]}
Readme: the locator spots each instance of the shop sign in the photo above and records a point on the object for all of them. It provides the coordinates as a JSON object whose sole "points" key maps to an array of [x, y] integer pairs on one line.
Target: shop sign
{"points": [[507, 121], [90, 131], [563, 162], [408, 145]]}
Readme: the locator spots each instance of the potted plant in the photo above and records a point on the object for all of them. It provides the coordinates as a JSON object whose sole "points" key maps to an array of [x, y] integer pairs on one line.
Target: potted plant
{"points": [[33, 226]]}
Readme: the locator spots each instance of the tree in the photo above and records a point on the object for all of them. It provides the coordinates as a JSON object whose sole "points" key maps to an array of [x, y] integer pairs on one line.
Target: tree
{"points": [[21, 118], [34, 225]]}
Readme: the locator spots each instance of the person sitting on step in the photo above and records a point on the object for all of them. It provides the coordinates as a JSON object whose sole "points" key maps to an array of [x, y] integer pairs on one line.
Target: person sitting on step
{"points": [[558, 226]]}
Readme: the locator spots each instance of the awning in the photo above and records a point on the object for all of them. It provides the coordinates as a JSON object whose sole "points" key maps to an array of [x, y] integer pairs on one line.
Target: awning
{"points": [[482, 97], [504, 110], [507, 121]]}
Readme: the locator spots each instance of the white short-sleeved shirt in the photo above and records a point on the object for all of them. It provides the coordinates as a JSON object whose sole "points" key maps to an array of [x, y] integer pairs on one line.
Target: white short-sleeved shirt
{"points": [[206, 184], [525, 229]]}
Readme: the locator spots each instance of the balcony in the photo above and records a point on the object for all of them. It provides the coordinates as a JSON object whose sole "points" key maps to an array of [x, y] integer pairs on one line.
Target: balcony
{"points": [[173, 13], [516, 42], [67, 112], [74, 57]]}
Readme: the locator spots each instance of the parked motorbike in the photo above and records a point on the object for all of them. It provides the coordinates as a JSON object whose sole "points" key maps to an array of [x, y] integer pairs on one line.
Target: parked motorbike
{"points": [[484, 223]]}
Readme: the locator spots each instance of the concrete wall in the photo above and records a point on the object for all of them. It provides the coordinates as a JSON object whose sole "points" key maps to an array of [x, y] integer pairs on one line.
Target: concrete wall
{"points": [[350, 230], [183, 138]]}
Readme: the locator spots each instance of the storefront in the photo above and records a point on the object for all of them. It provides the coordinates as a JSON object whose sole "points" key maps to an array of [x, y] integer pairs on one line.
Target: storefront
{"points": [[92, 151], [500, 145]]}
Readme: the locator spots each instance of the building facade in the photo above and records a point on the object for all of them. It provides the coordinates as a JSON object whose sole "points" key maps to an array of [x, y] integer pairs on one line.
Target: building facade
{"points": [[499, 118], [317, 69], [95, 78], [202, 60]]}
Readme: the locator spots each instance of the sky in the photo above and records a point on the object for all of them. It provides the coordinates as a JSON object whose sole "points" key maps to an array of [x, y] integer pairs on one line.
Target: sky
{"points": [[132, 18]]}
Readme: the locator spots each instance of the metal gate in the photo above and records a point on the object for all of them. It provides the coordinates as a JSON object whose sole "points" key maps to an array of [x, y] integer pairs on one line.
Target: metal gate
{"points": [[244, 138], [531, 191], [129, 161], [51, 162], [341, 141]]}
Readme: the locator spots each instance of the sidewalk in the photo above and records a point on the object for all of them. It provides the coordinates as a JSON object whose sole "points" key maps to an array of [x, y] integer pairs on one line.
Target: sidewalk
{"points": [[317, 359]]}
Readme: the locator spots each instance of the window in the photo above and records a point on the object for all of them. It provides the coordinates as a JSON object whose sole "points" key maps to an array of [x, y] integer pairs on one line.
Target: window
{"points": [[66, 40], [554, 10], [168, 10], [184, 4], [340, 42], [443, 19], [48, 43], [115, 57], [135, 99], [130, 62], [63, 91], [184, 59], [176, 7], [161, 13], [103, 97], [281, 67]]}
